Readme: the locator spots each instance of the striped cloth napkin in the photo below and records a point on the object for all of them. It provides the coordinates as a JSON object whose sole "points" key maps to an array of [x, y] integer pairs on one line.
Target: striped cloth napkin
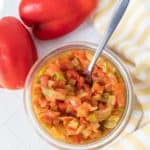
{"points": [[132, 42]]}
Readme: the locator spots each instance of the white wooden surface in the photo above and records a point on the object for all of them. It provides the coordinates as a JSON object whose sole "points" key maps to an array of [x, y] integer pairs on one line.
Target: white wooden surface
{"points": [[16, 132]]}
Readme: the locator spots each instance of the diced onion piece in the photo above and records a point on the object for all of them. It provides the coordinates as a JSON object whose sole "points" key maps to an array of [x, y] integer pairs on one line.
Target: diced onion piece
{"points": [[76, 63], [112, 100], [86, 133], [80, 128], [73, 124], [97, 88], [103, 114], [111, 122]]}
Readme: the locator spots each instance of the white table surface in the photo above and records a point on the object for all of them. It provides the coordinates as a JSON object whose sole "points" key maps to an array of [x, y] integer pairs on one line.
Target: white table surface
{"points": [[16, 132]]}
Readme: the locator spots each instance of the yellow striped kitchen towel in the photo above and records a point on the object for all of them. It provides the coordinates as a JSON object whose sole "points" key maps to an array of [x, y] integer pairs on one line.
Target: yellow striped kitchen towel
{"points": [[131, 41]]}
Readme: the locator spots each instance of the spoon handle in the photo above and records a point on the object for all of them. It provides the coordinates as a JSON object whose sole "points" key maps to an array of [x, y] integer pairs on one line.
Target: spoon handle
{"points": [[119, 12]]}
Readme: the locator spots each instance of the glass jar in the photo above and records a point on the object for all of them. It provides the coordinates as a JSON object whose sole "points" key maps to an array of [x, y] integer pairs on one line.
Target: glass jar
{"points": [[112, 57]]}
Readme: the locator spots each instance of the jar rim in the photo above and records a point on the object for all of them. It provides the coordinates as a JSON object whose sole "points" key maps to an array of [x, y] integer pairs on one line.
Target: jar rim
{"points": [[112, 57]]}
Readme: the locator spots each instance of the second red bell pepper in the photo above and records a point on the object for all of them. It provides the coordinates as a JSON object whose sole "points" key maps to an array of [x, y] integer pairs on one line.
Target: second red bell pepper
{"points": [[53, 18]]}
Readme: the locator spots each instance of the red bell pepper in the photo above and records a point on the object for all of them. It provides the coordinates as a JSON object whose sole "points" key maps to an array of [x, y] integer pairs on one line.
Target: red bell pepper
{"points": [[17, 53], [53, 18]]}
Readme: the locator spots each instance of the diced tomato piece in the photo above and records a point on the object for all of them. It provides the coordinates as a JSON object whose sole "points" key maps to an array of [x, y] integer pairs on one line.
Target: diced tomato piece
{"points": [[97, 88], [43, 103], [53, 114], [81, 82], [78, 138], [120, 99], [101, 106], [86, 87], [37, 89], [59, 84], [36, 103], [62, 106], [72, 74], [53, 105], [100, 76], [65, 64], [49, 116], [83, 121], [46, 119], [70, 109], [108, 87], [70, 131]]}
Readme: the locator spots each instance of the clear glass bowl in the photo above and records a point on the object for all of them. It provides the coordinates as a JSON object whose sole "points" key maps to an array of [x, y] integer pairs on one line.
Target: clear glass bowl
{"points": [[101, 143]]}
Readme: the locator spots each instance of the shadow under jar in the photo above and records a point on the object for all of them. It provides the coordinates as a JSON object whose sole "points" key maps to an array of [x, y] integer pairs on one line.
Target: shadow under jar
{"points": [[66, 113]]}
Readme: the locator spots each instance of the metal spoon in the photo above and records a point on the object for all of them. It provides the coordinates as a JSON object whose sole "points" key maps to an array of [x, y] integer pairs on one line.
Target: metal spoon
{"points": [[119, 12]]}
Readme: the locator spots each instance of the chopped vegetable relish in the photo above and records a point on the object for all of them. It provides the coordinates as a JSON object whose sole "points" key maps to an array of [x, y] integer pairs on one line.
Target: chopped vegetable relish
{"points": [[70, 109]]}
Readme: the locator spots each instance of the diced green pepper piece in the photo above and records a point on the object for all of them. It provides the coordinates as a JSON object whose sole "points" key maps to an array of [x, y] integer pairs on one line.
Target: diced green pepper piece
{"points": [[111, 122], [59, 76], [51, 94], [120, 109], [42, 71], [64, 55], [92, 117], [105, 97]]}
